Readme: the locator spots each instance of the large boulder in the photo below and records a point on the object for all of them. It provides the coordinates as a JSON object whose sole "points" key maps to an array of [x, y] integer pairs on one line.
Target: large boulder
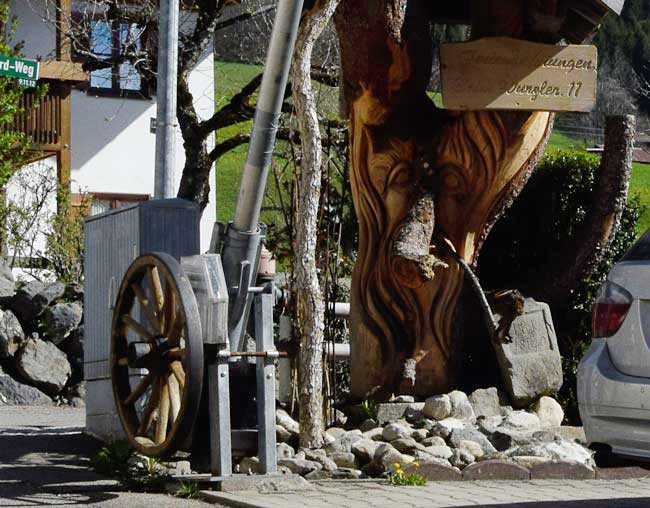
{"points": [[283, 418], [437, 407], [530, 360], [11, 334], [14, 393], [61, 320], [485, 402], [549, 412], [557, 450], [73, 347], [461, 408], [43, 365], [33, 298], [7, 283], [470, 434]]}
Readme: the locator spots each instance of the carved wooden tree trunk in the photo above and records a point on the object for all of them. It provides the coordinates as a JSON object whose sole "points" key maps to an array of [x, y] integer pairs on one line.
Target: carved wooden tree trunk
{"points": [[416, 168]]}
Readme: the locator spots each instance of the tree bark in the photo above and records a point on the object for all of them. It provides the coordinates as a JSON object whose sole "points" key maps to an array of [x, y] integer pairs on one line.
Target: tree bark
{"points": [[473, 163], [309, 298]]}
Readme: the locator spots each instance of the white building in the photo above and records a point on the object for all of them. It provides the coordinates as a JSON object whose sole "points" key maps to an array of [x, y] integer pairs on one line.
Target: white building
{"points": [[101, 142]]}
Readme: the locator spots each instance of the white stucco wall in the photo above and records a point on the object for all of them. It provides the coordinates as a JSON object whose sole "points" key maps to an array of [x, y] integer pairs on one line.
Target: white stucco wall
{"points": [[113, 149]]}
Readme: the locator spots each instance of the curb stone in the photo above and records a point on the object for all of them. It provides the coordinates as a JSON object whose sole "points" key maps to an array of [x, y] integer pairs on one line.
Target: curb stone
{"points": [[556, 470], [495, 470]]}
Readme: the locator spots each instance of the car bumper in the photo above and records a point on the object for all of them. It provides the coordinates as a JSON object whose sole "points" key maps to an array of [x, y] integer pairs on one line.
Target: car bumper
{"points": [[614, 407]]}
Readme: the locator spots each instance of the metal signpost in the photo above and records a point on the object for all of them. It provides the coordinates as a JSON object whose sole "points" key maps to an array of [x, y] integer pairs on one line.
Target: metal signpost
{"points": [[25, 70]]}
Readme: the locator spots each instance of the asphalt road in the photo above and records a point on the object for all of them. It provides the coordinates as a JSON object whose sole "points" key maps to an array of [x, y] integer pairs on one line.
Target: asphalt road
{"points": [[44, 462]]}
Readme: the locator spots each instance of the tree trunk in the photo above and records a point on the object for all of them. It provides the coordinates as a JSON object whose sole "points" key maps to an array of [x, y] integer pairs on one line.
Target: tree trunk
{"points": [[310, 305], [402, 147]]}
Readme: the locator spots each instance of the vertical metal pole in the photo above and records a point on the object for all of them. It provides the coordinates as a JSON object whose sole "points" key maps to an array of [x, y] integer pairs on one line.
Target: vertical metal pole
{"points": [[265, 377], [166, 99], [219, 414]]}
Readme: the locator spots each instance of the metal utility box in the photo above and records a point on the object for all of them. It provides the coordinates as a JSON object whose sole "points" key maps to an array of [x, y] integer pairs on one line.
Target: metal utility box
{"points": [[112, 241]]}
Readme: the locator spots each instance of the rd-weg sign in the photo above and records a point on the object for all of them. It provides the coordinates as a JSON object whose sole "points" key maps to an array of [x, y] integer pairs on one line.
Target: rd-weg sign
{"points": [[504, 73], [25, 70]]}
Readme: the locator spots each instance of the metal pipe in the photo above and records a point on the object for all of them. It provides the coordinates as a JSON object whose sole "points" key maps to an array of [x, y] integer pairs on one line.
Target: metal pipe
{"points": [[166, 99], [340, 309], [267, 115], [338, 352]]}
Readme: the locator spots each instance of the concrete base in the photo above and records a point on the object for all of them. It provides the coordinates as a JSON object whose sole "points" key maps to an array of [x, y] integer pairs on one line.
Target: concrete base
{"points": [[102, 421]]}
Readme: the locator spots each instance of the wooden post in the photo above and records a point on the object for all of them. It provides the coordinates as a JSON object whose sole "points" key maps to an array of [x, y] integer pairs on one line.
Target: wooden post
{"points": [[64, 53]]}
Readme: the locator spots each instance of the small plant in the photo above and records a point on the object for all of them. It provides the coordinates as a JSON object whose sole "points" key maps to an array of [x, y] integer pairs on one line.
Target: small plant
{"points": [[406, 475], [113, 459], [189, 490], [145, 474], [369, 409]]}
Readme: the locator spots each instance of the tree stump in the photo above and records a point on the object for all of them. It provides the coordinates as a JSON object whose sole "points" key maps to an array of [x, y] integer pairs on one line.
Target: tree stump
{"points": [[416, 169]]}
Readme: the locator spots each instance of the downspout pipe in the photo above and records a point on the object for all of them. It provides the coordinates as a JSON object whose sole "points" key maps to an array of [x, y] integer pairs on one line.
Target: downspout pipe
{"points": [[243, 237]]}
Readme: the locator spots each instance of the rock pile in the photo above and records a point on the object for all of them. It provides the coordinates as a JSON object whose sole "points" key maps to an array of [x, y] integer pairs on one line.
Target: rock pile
{"points": [[451, 436], [41, 342]]}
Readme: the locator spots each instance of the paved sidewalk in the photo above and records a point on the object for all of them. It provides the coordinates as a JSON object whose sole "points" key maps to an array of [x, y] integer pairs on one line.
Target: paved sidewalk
{"points": [[511, 494], [44, 462]]}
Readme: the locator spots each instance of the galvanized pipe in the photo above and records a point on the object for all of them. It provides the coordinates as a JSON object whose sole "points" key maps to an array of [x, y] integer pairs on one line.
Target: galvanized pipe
{"points": [[166, 100], [267, 115]]}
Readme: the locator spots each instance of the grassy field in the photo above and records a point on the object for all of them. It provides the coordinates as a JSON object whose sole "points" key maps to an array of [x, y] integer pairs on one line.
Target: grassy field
{"points": [[230, 77], [640, 185]]}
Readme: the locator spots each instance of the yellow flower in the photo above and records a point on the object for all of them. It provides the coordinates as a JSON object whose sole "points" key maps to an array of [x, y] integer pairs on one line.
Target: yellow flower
{"points": [[415, 464], [397, 465]]}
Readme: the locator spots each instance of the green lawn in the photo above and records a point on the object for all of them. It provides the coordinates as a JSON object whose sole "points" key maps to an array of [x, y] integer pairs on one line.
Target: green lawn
{"points": [[640, 184]]}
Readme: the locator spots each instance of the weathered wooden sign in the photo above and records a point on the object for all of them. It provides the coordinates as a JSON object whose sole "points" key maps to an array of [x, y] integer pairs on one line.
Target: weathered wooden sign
{"points": [[504, 73]]}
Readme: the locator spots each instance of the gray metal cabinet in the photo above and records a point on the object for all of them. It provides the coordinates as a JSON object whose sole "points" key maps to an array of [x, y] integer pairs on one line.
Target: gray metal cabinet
{"points": [[112, 241]]}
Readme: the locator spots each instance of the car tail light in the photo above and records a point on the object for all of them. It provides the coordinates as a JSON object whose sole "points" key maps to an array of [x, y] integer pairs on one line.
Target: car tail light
{"points": [[612, 305]]}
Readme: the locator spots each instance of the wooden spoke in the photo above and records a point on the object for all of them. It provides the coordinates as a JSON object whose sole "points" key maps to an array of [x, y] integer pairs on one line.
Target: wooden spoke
{"points": [[163, 413], [137, 327], [174, 334], [149, 410], [145, 441], [156, 287], [176, 353], [139, 390], [169, 310], [174, 396], [146, 307], [178, 371]]}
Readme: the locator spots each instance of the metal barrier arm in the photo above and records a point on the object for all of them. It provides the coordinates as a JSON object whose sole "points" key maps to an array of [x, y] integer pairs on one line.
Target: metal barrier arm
{"points": [[243, 237]]}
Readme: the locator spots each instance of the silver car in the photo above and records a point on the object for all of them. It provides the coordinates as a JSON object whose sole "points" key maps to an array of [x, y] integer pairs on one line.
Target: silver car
{"points": [[614, 375]]}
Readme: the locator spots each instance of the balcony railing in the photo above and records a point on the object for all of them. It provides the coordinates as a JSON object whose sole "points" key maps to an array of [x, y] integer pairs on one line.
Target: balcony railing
{"points": [[41, 119]]}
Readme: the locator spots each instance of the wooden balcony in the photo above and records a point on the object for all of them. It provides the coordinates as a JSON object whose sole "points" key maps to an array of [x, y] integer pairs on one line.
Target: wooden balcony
{"points": [[42, 119]]}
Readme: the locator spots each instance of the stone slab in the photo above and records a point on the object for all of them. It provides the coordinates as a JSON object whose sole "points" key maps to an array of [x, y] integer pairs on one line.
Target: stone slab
{"points": [[495, 470], [392, 411], [530, 361], [558, 470]]}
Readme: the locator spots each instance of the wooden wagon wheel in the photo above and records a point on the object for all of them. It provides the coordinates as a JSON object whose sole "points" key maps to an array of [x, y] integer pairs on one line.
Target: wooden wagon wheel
{"points": [[158, 409]]}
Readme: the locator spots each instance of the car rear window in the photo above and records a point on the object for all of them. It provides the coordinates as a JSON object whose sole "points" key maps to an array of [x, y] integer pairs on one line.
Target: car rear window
{"points": [[640, 251]]}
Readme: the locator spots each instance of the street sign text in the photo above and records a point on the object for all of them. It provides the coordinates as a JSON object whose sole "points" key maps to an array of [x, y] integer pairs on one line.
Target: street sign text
{"points": [[503, 73]]}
